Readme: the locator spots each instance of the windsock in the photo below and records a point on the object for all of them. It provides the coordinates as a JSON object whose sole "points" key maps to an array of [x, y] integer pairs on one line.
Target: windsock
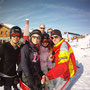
{"points": [[26, 31]]}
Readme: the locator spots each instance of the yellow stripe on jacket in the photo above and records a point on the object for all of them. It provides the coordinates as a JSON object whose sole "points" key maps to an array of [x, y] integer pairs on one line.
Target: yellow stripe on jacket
{"points": [[64, 56]]}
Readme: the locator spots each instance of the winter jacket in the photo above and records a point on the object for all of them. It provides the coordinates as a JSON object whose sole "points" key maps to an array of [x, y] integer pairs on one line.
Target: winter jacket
{"points": [[8, 59], [30, 64], [65, 64], [44, 58]]}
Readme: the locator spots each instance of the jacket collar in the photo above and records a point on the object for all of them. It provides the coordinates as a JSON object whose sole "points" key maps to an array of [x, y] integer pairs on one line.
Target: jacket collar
{"points": [[56, 47], [59, 42], [33, 46]]}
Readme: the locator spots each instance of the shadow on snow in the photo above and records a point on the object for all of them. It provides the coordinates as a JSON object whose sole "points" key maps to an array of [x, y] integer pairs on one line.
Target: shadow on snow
{"points": [[77, 76]]}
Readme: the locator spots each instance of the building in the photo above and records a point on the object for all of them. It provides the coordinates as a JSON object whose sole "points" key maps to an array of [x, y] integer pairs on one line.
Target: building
{"points": [[4, 33], [69, 35], [5, 30]]}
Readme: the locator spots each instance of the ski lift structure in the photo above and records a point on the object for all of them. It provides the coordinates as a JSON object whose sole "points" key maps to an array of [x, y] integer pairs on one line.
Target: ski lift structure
{"points": [[70, 35]]}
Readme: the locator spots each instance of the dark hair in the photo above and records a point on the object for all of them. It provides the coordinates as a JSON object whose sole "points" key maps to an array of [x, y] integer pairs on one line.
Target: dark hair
{"points": [[49, 48]]}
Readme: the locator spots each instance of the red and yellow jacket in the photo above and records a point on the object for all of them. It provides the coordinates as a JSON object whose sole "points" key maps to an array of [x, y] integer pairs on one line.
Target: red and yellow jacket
{"points": [[65, 64]]}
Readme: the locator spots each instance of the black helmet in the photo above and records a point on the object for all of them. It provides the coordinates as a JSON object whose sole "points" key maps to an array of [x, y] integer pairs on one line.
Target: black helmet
{"points": [[15, 29], [45, 36], [36, 31], [56, 32]]}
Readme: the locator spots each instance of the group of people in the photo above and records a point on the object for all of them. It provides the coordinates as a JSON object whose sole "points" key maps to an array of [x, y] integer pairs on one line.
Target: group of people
{"points": [[34, 60]]}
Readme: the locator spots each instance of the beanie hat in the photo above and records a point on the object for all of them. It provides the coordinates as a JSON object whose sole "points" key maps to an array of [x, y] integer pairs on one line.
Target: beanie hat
{"points": [[56, 32], [36, 31]]}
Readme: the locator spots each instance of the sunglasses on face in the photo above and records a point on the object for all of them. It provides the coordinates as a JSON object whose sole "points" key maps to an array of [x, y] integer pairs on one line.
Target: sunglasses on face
{"points": [[49, 31], [45, 42], [42, 28], [54, 37], [34, 37], [15, 34]]}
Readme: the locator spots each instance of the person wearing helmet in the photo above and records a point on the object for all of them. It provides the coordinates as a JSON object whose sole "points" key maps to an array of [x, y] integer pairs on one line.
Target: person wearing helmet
{"points": [[9, 53], [30, 63], [65, 62], [45, 52]]}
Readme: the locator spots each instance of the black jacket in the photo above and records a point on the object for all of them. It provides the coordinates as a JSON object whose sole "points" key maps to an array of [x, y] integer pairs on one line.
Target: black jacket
{"points": [[30, 63], [8, 59]]}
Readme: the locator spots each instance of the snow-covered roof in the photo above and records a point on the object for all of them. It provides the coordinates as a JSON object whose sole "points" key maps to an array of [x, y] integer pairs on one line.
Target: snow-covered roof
{"points": [[9, 25]]}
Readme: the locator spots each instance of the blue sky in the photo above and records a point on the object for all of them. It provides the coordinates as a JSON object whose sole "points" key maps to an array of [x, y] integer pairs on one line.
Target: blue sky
{"points": [[66, 15]]}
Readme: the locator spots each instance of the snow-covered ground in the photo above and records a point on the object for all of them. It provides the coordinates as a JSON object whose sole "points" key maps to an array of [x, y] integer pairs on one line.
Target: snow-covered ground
{"points": [[81, 49], [82, 53]]}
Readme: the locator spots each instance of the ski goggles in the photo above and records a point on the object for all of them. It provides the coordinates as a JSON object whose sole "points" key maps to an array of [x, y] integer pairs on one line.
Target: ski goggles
{"points": [[16, 34], [45, 41]]}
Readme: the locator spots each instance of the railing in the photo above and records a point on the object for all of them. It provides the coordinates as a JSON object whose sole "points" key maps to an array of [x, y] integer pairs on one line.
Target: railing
{"points": [[4, 39]]}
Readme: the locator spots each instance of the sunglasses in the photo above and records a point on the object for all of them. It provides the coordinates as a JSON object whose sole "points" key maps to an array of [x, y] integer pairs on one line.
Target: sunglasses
{"points": [[54, 37], [34, 37], [42, 28], [15, 34], [49, 32], [45, 42]]}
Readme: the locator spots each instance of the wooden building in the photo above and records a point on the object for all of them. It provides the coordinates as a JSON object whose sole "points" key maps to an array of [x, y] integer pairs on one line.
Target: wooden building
{"points": [[4, 33]]}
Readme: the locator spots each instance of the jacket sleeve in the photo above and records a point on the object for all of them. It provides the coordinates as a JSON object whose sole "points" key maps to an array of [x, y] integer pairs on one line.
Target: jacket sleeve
{"points": [[1, 49], [1, 57], [25, 64], [57, 71], [62, 66]]}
